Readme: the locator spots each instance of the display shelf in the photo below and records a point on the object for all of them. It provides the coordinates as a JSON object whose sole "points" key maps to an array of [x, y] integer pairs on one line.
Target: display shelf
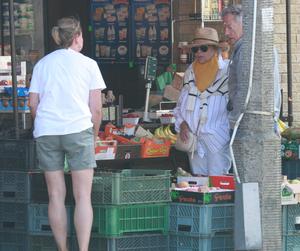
{"points": [[20, 111], [28, 25]]}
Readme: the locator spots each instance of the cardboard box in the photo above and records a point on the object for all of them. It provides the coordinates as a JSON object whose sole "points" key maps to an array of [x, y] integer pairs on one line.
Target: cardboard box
{"points": [[105, 149], [224, 182], [153, 148], [171, 93], [155, 99], [5, 66], [177, 82], [128, 151], [194, 181], [220, 197], [133, 121]]}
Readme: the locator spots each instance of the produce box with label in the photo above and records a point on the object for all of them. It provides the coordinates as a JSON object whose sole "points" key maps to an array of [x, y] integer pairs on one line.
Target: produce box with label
{"points": [[220, 196], [105, 149], [153, 148]]}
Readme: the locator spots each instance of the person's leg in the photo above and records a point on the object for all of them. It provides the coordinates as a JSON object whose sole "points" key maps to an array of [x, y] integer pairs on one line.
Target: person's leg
{"points": [[80, 153], [198, 165], [51, 159], [83, 215], [219, 163], [56, 209]]}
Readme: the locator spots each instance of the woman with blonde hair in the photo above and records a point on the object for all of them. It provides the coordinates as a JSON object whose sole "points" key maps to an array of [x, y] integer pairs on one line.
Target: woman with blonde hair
{"points": [[65, 102]]}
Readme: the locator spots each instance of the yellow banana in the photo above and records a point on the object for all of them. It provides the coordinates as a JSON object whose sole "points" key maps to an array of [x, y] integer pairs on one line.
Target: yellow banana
{"points": [[156, 132], [173, 137], [162, 132], [170, 131], [166, 132]]}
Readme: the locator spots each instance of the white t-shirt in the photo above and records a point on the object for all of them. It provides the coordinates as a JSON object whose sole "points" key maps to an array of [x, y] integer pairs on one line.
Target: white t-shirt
{"points": [[63, 80]]}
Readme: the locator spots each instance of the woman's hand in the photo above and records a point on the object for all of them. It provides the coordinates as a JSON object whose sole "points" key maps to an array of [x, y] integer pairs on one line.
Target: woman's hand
{"points": [[184, 131]]}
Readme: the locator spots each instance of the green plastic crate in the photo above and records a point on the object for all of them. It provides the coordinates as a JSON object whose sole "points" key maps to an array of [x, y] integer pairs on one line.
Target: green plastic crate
{"points": [[131, 186], [291, 242], [289, 215], [112, 221]]}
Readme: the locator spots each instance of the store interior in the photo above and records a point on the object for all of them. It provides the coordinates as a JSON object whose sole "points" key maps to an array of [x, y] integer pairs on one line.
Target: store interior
{"points": [[121, 78], [124, 76]]}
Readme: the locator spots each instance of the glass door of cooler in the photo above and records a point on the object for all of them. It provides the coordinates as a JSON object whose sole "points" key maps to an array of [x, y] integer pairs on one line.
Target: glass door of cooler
{"points": [[29, 43]]}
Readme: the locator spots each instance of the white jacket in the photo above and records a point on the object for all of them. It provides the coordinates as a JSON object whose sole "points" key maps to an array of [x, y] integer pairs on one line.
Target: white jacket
{"points": [[210, 106]]}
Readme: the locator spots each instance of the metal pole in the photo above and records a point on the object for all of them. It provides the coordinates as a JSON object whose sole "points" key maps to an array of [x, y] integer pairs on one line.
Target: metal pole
{"points": [[289, 63], [1, 29], [146, 112], [13, 66]]}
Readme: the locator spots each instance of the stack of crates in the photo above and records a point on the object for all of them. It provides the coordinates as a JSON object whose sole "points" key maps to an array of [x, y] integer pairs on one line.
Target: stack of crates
{"points": [[290, 213], [291, 227], [131, 210], [201, 227], [24, 224]]}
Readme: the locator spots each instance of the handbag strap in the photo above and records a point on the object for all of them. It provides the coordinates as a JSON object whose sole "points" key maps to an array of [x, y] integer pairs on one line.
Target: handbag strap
{"points": [[194, 141], [198, 126]]}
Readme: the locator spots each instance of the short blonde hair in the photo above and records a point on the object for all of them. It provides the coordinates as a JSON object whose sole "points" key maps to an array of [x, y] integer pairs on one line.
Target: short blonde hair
{"points": [[65, 31]]}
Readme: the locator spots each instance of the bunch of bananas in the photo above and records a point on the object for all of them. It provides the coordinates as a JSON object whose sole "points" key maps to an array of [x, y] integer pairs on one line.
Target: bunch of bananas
{"points": [[166, 133]]}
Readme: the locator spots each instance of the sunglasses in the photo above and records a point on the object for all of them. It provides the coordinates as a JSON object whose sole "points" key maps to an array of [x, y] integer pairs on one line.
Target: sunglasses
{"points": [[203, 48]]}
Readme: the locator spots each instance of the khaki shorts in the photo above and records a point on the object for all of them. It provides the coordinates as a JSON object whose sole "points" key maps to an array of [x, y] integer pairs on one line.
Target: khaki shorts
{"points": [[77, 148]]}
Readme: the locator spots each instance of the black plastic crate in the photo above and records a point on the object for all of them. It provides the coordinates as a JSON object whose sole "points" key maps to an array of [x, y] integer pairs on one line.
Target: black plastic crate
{"points": [[17, 154], [13, 217], [13, 241], [25, 187], [291, 168], [198, 220], [25, 242], [38, 221], [218, 242], [153, 242], [27, 218]]}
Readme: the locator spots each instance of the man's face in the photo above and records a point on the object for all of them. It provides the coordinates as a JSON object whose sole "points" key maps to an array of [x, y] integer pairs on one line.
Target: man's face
{"points": [[233, 29]]}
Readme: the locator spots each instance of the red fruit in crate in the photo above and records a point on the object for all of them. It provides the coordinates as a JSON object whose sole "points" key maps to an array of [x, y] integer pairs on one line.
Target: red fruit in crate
{"points": [[130, 115], [167, 115]]}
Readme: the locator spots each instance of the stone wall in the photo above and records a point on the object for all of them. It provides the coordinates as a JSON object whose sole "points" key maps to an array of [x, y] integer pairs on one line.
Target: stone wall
{"points": [[280, 43]]}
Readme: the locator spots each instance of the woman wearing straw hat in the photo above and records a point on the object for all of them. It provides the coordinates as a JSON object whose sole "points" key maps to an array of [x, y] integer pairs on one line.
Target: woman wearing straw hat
{"points": [[201, 107]]}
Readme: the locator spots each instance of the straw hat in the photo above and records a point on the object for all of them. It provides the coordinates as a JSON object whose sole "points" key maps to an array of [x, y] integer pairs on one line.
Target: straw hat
{"points": [[205, 35]]}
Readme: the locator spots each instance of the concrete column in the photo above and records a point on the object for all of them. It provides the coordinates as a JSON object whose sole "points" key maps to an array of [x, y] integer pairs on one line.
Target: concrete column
{"points": [[257, 148]]}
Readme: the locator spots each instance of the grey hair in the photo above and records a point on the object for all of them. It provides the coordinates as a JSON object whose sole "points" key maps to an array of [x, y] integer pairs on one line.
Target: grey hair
{"points": [[65, 31], [235, 10]]}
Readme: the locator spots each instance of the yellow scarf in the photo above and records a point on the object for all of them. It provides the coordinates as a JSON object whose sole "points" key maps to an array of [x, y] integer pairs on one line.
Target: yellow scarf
{"points": [[205, 73]]}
